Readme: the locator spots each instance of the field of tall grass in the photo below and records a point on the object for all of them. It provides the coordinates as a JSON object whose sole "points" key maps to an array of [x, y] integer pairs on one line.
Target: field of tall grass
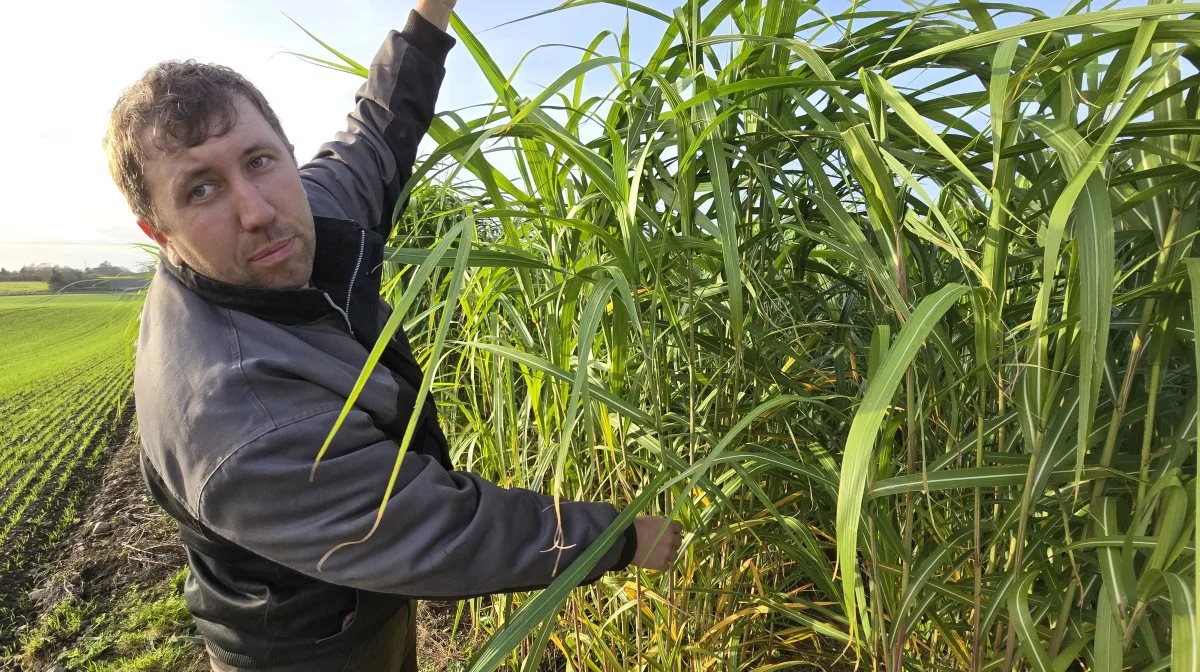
{"points": [[893, 309]]}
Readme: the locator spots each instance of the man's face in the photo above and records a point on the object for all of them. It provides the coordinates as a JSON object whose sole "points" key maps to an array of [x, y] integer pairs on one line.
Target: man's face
{"points": [[233, 208]]}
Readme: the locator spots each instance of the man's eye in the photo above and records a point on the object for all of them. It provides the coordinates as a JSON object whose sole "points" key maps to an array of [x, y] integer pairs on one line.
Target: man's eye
{"points": [[259, 161], [200, 191]]}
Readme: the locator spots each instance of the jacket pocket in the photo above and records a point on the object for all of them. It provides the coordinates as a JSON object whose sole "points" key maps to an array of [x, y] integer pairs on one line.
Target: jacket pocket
{"points": [[312, 612], [349, 620], [372, 611]]}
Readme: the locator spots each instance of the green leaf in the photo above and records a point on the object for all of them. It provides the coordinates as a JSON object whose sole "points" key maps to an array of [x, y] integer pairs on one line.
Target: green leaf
{"points": [[1109, 654], [974, 477], [480, 257], [901, 107], [1018, 610], [1185, 643], [548, 602], [1193, 269], [860, 443], [464, 230], [348, 64], [389, 329], [1076, 22]]}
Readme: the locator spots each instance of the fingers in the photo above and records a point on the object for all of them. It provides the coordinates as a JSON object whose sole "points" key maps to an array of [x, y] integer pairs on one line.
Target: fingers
{"points": [[659, 542], [673, 541], [673, 535]]}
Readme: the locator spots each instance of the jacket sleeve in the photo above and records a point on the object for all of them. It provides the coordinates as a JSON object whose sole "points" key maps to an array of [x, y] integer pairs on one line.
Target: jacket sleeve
{"points": [[360, 174], [444, 535]]}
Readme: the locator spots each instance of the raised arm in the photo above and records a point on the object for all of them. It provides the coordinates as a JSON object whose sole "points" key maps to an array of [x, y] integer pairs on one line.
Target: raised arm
{"points": [[360, 174], [436, 12]]}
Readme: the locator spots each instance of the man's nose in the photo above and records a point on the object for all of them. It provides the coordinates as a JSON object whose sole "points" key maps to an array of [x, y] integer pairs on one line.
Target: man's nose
{"points": [[253, 211]]}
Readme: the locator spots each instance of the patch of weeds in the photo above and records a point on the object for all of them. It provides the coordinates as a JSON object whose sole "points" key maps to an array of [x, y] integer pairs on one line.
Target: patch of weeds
{"points": [[152, 621], [144, 628], [173, 656], [61, 625]]}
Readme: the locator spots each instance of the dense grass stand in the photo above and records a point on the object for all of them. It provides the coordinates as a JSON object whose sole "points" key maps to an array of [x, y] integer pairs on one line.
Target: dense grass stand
{"points": [[891, 308]]}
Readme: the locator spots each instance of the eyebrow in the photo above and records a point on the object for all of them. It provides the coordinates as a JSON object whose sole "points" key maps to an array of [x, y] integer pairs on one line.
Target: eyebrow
{"points": [[191, 174]]}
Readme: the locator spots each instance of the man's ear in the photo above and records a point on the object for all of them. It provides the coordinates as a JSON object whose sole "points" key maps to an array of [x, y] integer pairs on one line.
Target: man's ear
{"points": [[164, 243], [152, 233]]}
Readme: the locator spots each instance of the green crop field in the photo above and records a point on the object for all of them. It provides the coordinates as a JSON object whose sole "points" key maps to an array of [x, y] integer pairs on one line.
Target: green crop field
{"points": [[19, 287], [65, 386]]}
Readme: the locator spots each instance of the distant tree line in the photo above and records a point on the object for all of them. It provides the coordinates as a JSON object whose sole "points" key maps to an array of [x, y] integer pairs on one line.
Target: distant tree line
{"points": [[104, 277]]}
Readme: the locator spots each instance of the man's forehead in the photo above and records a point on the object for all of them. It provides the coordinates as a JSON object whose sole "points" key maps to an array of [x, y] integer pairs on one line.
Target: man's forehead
{"points": [[235, 136], [163, 140]]}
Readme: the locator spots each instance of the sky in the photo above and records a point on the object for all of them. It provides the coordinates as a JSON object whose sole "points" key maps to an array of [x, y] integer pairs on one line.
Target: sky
{"points": [[65, 63]]}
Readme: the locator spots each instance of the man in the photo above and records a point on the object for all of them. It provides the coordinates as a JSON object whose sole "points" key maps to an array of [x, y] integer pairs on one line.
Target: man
{"points": [[255, 328]]}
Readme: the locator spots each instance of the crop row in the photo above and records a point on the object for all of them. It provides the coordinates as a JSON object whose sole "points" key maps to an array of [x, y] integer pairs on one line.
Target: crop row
{"points": [[43, 507], [58, 423], [42, 410], [44, 468], [51, 416]]}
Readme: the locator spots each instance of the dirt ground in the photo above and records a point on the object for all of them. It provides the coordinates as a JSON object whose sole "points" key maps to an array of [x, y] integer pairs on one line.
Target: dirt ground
{"points": [[123, 550]]}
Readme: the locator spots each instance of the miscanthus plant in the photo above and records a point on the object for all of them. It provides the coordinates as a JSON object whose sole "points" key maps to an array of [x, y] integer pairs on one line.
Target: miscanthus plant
{"points": [[894, 309]]}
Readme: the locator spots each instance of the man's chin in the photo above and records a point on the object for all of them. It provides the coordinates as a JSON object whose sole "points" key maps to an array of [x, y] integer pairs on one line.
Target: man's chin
{"points": [[297, 278], [293, 273]]}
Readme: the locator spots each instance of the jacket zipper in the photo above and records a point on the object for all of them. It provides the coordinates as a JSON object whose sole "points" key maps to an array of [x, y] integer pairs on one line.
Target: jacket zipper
{"points": [[340, 312], [362, 244]]}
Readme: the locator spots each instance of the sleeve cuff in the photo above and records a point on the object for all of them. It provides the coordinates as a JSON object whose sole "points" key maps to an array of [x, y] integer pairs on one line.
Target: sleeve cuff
{"points": [[426, 37], [627, 550]]}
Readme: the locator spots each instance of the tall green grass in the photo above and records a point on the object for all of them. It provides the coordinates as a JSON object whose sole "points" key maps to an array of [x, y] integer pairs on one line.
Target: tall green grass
{"points": [[890, 308]]}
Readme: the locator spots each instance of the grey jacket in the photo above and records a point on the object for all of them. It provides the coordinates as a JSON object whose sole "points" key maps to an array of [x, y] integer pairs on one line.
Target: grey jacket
{"points": [[236, 389]]}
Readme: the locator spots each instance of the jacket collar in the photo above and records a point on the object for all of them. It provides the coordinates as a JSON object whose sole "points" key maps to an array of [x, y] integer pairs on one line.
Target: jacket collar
{"points": [[347, 263]]}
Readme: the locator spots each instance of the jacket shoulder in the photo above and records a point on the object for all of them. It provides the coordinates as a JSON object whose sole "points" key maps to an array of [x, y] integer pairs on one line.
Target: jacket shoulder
{"points": [[193, 401]]}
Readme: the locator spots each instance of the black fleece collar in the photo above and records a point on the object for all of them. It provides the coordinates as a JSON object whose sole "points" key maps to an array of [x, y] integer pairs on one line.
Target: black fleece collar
{"points": [[347, 267]]}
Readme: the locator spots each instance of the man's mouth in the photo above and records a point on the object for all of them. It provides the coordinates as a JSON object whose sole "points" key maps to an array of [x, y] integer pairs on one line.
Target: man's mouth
{"points": [[275, 252]]}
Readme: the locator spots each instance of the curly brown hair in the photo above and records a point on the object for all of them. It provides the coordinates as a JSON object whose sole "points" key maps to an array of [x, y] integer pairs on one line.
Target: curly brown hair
{"points": [[175, 104]]}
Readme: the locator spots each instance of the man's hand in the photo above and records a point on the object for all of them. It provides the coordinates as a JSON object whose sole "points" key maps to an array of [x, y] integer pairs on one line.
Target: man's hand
{"points": [[436, 12], [658, 541]]}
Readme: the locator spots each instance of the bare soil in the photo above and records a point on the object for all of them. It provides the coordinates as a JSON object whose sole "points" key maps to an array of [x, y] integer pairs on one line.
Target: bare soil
{"points": [[122, 543], [120, 540]]}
